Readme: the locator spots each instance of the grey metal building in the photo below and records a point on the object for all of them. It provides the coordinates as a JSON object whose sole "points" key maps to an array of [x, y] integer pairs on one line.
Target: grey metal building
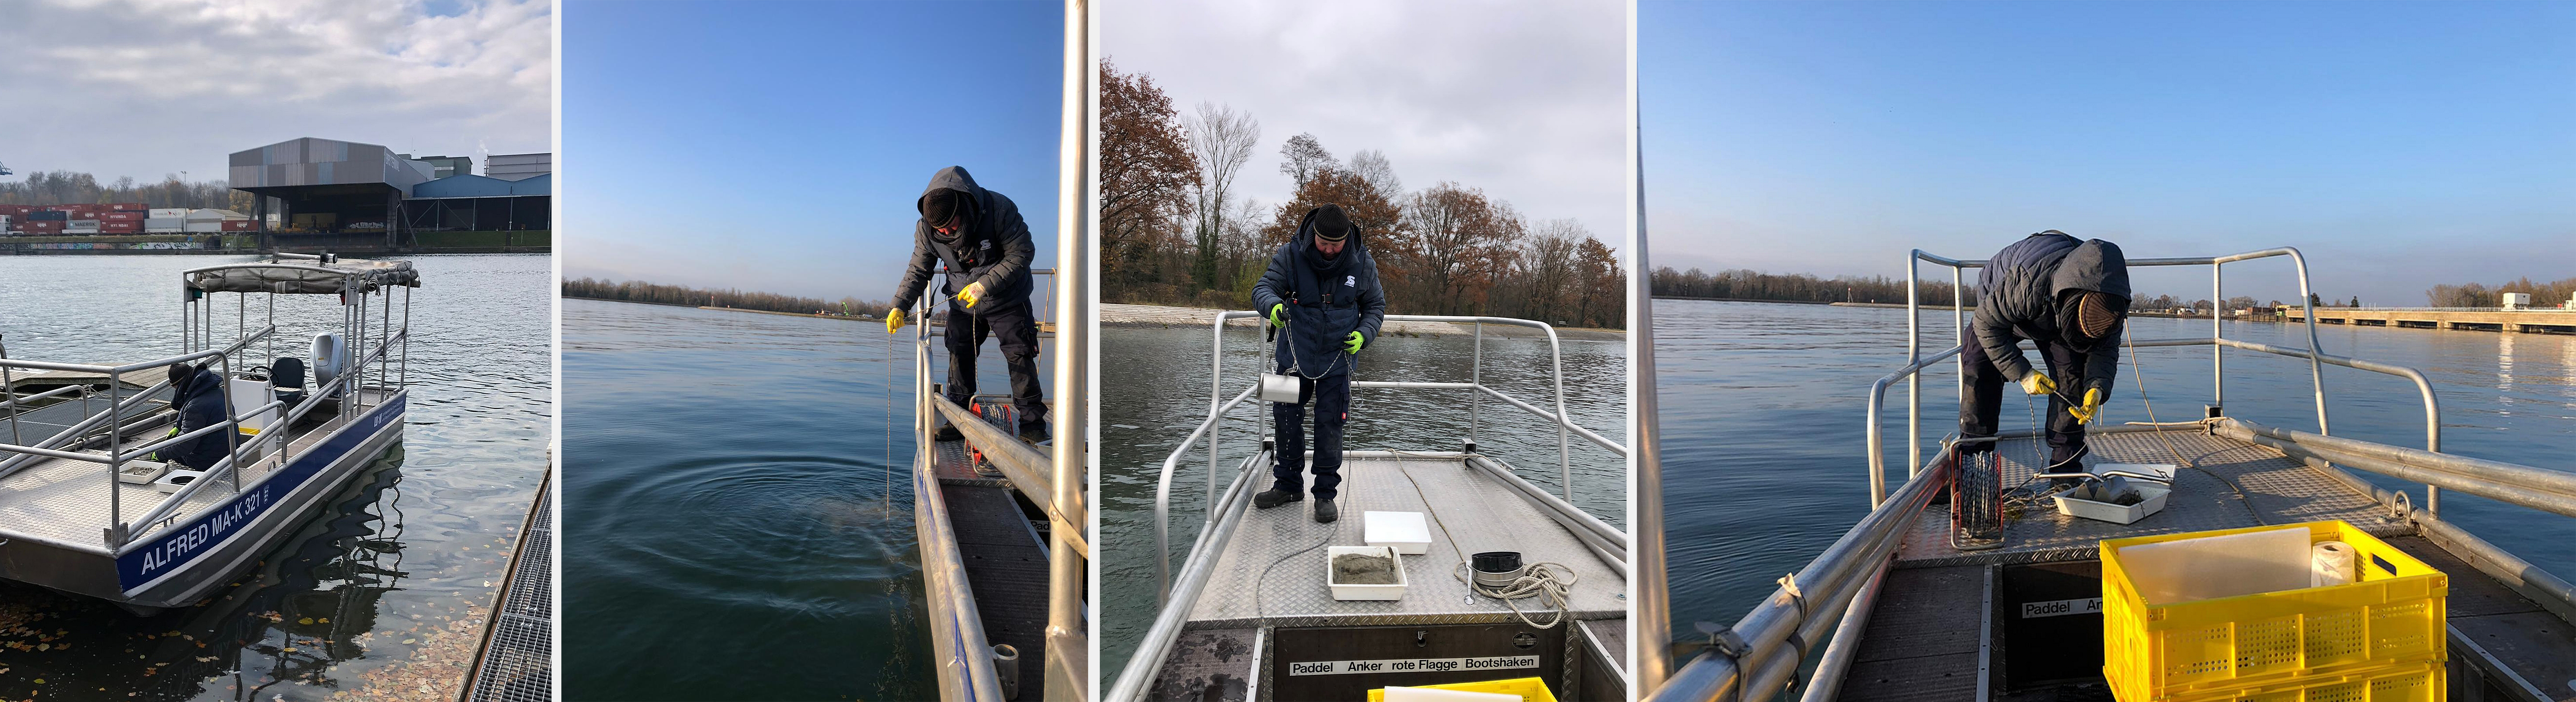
{"points": [[327, 186], [518, 166]]}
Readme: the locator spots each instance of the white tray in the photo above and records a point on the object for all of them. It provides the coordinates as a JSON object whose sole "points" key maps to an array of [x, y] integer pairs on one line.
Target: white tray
{"points": [[1365, 592]]}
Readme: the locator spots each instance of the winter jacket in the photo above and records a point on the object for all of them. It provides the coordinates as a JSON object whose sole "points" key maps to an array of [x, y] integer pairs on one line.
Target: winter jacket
{"points": [[993, 248], [2022, 294], [1327, 299], [200, 397]]}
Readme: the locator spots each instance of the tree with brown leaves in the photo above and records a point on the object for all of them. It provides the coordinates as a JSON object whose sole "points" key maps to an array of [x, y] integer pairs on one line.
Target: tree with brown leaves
{"points": [[1462, 243], [1146, 176]]}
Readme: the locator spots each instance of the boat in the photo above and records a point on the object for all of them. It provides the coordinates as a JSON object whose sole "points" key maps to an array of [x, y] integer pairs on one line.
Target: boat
{"points": [[1254, 612], [86, 509], [1908, 609]]}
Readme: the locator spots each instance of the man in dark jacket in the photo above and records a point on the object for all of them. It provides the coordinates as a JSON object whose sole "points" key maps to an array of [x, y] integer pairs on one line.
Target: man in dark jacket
{"points": [[2069, 296], [978, 233], [199, 395], [1322, 292]]}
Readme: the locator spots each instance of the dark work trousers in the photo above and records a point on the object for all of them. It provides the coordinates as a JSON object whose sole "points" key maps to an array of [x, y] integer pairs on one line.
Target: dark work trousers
{"points": [[1978, 411], [1332, 397], [1018, 329]]}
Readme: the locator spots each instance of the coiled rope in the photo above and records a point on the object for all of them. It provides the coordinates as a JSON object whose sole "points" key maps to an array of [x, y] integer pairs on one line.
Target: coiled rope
{"points": [[1548, 581]]}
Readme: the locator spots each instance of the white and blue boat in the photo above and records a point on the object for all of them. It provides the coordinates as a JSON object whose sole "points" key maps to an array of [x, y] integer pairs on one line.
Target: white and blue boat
{"points": [[99, 495]]}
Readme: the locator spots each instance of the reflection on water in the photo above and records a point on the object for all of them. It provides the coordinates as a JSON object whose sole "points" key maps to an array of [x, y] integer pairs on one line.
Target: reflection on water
{"points": [[729, 531], [1154, 390], [1763, 434], [381, 593]]}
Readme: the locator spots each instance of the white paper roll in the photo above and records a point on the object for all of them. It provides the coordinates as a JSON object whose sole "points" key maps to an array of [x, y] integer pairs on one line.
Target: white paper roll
{"points": [[1427, 694], [2333, 564]]}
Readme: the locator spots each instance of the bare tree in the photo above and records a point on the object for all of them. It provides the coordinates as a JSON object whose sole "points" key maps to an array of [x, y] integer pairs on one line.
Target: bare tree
{"points": [[1305, 158], [1371, 165], [1221, 141], [1547, 269]]}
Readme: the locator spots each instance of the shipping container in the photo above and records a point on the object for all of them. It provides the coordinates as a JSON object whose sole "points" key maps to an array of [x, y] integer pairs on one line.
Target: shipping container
{"points": [[93, 216], [204, 227], [169, 212], [240, 225], [172, 224], [81, 224], [214, 215], [120, 228], [127, 207], [121, 216]]}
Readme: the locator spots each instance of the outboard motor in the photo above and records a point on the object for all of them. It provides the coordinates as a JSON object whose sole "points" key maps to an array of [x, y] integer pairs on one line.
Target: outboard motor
{"points": [[330, 356], [199, 396], [286, 378]]}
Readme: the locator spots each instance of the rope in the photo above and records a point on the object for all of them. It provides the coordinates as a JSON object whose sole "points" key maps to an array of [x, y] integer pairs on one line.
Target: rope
{"points": [[889, 426], [1541, 580]]}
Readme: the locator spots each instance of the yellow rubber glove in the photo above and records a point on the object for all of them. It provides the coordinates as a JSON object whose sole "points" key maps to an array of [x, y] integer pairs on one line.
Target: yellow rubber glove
{"points": [[972, 293], [894, 320], [1353, 344], [2090, 410], [1279, 316], [2037, 383]]}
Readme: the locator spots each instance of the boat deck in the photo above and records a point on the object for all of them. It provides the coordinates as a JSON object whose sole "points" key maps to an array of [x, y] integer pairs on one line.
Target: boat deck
{"points": [[1271, 570], [1941, 629], [68, 501], [1004, 549]]}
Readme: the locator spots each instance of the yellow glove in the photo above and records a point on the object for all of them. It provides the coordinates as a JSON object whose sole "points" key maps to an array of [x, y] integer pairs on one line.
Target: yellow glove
{"points": [[894, 320], [2090, 410], [971, 294], [1352, 344], [1278, 316], [2037, 383]]}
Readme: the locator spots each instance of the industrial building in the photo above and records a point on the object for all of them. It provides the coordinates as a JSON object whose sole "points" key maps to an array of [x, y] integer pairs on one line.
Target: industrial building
{"points": [[316, 191]]}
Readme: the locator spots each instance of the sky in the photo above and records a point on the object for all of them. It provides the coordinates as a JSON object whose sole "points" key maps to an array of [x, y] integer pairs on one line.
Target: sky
{"points": [[1526, 100], [780, 147], [2397, 145], [152, 88]]}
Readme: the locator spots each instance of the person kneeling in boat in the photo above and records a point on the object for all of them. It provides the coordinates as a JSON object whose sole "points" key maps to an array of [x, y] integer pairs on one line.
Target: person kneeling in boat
{"points": [[986, 245], [2069, 296], [1322, 292]]}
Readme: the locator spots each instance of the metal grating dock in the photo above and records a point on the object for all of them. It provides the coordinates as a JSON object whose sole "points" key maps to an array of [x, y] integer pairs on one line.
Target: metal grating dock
{"points": [[1271, 571], [517, 660], [1005, 558], [2280, 489]]}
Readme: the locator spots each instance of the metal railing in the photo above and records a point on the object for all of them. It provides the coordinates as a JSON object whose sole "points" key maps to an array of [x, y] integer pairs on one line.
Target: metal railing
{"points": [[1221, 514], [1762, 651]]}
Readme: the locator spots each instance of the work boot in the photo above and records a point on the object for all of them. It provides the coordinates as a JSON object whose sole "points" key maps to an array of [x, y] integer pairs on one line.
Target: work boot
{"points": [[1325, 512], [1274, 497], [946, 432], [1035, 433]]}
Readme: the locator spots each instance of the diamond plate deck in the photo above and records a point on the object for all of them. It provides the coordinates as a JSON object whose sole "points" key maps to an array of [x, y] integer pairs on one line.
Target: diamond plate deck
{"points": [[67, 500], [1271, 571], [2276, 490]]}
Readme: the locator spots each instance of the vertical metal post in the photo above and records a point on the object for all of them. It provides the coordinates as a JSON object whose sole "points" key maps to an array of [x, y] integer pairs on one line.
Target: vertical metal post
{"points": [[1959, 326], [2316, 368], [9, 383], [2217, 351], [1476, 377], [1651, 648], [116, 445], [1068, 643], [1913, 355]]}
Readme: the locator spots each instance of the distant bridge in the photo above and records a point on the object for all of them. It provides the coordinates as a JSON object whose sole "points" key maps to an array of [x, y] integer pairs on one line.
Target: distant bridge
{"points": [[2537, 321]]}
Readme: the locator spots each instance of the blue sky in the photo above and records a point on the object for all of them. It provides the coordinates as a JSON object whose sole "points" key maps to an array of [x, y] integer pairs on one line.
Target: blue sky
{"points": [[780, 146], [2398, 145]]}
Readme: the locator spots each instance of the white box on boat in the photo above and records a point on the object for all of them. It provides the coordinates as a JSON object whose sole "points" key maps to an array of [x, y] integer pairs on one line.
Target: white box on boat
{"points": [[1406, 532], [2151, 499], [249, 394], [1365, 592], [176, 479]]}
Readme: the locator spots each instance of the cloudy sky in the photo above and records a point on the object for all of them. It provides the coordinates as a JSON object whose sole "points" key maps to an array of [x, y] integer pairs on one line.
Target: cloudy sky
{"points": [[146, 88], [2398, 145], [1526, 100]]}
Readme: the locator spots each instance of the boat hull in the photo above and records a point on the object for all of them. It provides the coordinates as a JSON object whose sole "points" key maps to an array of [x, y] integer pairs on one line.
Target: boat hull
{"points": [[177, 565]]}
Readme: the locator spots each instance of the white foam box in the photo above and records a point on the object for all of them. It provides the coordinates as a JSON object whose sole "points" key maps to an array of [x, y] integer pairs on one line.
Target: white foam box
{"points": [[1365, 592], [1406, 532]]}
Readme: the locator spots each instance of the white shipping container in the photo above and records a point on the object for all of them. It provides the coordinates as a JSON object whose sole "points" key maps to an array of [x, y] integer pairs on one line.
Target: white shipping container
{"points": [[167, 213], [161, 230], [214, 215], [205, 226], [170, 223], [2515, 301]]}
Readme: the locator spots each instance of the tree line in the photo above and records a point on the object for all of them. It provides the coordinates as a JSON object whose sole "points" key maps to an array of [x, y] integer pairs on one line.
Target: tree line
{"points": [[1747, 284], [69, 188], [2549, 294], [1174, 231], [640, 291]]}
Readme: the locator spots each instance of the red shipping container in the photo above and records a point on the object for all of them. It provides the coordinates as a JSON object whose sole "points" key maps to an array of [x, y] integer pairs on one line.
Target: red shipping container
{"points": [[241, 225], [120, 226], [128, 207], [121, 216], [46, 226], [85, 215]]}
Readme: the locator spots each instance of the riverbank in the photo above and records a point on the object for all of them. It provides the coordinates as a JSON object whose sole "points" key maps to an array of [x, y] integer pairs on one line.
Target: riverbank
{"points": [[368, 245], [1165, 317]]}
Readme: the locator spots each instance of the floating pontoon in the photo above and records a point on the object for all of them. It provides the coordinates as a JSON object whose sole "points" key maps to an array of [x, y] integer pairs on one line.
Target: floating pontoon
{"points": [[1912, 616], [1251, 616], [85, 511]]}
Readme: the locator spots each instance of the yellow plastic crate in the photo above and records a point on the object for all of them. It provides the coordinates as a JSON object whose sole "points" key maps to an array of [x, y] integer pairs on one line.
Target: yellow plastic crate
{"points": [[1530, 689], [2421, 681], [2391, 620]]}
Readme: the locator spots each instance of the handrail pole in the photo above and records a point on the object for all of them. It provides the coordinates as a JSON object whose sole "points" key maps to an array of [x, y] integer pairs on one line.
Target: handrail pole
{"points": [[115, 445], [2316, 368], [1475, 376], [1216, 392], [1564, 452], [1959, 325], [2217, 330], [1913, 355]]}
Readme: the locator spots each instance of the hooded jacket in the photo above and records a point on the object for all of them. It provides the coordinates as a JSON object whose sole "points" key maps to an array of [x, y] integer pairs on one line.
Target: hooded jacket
{"points": [[1327, 299], [992, 248], [2022, 294], [199, 396]]}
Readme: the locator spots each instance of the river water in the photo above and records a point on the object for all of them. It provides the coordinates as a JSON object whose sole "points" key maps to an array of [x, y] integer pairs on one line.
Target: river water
{"points": [[728, 531], [383, 594], [1154, 390], [1763, 431]]}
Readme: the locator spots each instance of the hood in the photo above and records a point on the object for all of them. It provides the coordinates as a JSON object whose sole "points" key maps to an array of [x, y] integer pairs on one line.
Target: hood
{"points": [[2094, 265], [1304, 240], [951, 178]]}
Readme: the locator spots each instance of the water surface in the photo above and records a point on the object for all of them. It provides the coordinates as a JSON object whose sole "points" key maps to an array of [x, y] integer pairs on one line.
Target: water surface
{"points": [[383, 593]]}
